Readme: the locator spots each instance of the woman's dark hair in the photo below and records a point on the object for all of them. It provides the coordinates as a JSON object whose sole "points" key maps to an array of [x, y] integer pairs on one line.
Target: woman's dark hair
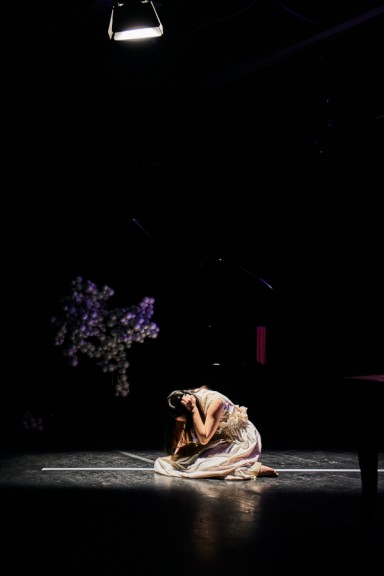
{"points": [[174, 409], [174, 406]]}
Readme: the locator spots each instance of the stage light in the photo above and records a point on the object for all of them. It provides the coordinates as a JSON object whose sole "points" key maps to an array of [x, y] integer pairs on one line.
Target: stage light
{"points": [[134, 20]]}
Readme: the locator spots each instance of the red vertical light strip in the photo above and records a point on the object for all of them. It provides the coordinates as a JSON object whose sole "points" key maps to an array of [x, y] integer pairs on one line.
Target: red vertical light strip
{"points": [[261, 339]]}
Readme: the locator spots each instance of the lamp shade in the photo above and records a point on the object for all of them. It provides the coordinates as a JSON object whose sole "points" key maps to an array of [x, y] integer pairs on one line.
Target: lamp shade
{"points": [[134, 20]]}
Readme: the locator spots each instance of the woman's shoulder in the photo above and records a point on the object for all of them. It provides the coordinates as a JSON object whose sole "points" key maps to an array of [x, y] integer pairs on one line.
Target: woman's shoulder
{"points": [[197, 389], [211, 396]]}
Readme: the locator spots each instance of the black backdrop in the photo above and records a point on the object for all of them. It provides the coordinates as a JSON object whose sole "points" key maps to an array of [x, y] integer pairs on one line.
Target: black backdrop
{"points": [[166, 170]]}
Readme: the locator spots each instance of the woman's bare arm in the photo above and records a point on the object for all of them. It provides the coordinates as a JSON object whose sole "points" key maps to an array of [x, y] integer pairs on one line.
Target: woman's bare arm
{"points": [[204, 430]]}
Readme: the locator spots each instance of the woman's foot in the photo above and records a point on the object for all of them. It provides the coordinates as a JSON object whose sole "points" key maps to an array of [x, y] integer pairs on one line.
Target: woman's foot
{"points": [[266, 471]]}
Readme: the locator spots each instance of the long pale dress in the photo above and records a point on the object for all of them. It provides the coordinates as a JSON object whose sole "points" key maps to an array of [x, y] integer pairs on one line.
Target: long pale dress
{"points": [[232, 453]]}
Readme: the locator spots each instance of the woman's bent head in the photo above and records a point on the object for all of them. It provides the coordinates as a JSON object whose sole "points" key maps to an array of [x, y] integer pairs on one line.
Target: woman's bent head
{"points": [[175, 407]]}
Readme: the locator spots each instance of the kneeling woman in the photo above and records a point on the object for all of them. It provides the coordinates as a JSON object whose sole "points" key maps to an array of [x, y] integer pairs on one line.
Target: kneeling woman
{"points": [[210, 437]]}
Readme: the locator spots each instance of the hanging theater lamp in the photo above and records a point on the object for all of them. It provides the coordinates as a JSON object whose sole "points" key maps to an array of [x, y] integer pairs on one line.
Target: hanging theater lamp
{"points": [[134, 20]]}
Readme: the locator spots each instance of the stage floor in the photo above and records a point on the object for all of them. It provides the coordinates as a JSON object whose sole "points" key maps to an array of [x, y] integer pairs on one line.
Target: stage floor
{"points": [[81, 511]]}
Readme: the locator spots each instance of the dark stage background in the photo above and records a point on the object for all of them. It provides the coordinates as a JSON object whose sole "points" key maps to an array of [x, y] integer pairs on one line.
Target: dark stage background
{"points": [[234, 173]]}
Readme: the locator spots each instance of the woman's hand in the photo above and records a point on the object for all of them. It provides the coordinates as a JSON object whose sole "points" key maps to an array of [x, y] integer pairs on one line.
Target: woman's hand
{"points": [[189, 401]]}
